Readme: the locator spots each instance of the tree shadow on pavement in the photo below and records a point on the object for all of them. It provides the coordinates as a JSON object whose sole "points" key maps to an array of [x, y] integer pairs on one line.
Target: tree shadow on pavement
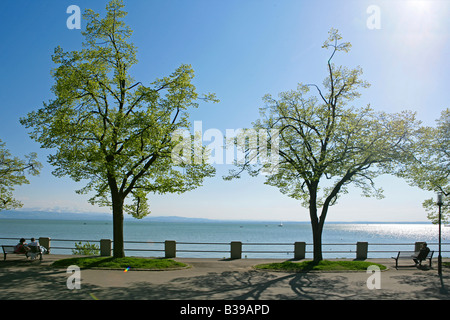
{"points": [[428, 285], [49, 283], [231, 285], [257, 285], [38, 284]]}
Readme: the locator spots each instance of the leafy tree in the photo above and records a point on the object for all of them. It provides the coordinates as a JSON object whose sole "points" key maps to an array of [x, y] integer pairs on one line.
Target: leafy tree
{"points": [[325, 145], [12, 173], [430, 167], [111, 131]]}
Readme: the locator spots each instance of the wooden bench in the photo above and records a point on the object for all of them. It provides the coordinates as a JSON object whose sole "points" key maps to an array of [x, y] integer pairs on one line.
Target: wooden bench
{"points": [[33, 250], [402, 255]]}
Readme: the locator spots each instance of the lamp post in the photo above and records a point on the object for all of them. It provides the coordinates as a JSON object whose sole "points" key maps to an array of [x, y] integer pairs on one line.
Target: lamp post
{"points": [[440, 202]]}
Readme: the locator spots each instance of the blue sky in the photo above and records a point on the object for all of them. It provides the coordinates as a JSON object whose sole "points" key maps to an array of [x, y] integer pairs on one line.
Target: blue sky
{"points": [[241, 50]]}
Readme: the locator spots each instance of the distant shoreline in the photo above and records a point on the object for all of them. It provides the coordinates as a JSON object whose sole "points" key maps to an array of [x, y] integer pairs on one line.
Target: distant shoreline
{"points": [[42, 215]]}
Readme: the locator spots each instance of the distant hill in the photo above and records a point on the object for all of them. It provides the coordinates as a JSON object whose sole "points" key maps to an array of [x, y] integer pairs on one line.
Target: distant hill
{"points": [[44, 215], [53, 215]]}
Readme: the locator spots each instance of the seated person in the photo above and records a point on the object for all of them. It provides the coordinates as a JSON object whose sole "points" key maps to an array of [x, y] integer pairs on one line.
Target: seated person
{"points": [[35, 248], [34, 245], [422, 255], [21, 247]]}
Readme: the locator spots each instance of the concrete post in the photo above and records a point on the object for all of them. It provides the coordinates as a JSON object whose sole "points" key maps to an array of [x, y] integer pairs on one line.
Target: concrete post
{"points": [[45, 242], [236, 250], [361, 250], [299, 250], [170, 248], [105, 247]]}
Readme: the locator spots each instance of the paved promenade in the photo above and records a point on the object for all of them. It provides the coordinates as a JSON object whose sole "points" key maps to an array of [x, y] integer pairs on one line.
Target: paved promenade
{"points": [[215, 279]]}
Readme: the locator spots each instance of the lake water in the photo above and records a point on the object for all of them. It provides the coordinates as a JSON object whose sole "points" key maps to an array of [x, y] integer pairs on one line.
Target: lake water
{"points": [[255, 237]]}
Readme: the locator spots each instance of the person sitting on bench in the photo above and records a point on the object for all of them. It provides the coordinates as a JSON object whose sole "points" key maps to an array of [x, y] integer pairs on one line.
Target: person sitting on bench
{"points": [[35, 248], [21, 247], [422, 255]]}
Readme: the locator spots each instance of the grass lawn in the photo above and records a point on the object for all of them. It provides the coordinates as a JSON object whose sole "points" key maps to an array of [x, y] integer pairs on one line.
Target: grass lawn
{"points": [[324, 265], [128, 263]]}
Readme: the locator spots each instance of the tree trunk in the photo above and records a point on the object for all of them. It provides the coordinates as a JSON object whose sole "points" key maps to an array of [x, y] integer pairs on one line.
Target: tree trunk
{"points": [[117, 206], [315, 224], [317, 228], [118, 251]]}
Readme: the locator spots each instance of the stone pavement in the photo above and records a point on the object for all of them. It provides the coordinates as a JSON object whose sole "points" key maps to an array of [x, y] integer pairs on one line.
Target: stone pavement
{"points": [[215, 279]]}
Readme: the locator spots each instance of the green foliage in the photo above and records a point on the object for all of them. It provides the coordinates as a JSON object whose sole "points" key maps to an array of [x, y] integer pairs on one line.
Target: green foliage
{"points": [[324, 139], [119, 263], [111, 131], [12, 173], [429, 169], [86, 249], [325, 144], [324, 265]]}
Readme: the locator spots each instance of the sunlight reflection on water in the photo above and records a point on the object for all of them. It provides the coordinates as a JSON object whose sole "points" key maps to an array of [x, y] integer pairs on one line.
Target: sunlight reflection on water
{"points": [[415, 232]]}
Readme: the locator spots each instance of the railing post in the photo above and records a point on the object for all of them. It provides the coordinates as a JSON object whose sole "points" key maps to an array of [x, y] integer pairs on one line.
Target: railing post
{"points": [[361, 250], [299, 250], [236, 250], [105, 247], [45, 242], [170, 248]]}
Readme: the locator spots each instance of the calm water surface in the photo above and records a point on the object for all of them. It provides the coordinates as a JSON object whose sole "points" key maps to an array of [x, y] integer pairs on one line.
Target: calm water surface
{"points": [[379, 235]]}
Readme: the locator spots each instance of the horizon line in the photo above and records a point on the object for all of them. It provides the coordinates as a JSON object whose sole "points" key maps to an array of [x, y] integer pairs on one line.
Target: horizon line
{"points": [[93, 215]]}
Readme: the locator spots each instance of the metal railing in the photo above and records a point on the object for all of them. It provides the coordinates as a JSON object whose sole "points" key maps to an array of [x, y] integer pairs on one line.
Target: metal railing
{"points": [[213, 249]]}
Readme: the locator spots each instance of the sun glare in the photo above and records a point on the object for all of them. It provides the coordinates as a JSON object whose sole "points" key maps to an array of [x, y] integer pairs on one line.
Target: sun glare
{"points": [[417, 32], [418, 15], [418, 20], [419, 4]]}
